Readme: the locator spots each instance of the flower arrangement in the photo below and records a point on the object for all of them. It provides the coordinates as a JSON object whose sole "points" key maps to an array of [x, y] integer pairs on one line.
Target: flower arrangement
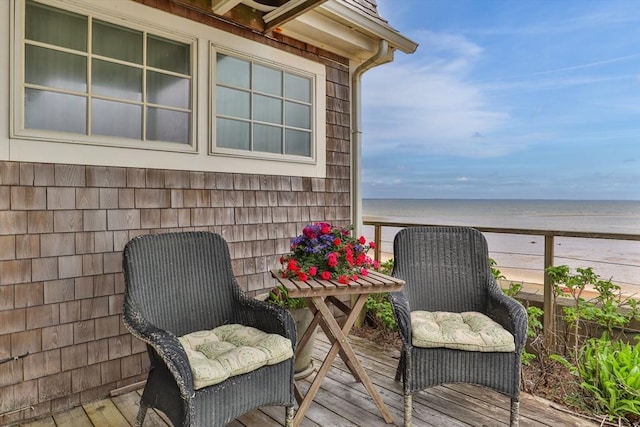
{"points": [[328, 252]]}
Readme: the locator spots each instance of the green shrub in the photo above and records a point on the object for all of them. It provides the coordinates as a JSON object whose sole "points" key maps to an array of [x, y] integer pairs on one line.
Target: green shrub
{"points": [[610, 373]]}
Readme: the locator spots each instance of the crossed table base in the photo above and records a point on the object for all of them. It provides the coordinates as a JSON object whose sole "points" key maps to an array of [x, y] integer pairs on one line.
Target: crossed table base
{"points": [[317, 293]]}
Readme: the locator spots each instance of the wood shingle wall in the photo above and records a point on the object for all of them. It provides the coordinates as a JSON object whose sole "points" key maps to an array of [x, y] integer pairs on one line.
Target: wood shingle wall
{"points": [[63, 228]]}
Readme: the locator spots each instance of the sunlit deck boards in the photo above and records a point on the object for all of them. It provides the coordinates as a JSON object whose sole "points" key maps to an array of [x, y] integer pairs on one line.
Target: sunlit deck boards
{"points": [[343, 402]]}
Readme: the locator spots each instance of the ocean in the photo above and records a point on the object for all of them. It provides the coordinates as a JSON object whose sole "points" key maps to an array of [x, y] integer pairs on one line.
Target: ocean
{"points": [[520, 257]]}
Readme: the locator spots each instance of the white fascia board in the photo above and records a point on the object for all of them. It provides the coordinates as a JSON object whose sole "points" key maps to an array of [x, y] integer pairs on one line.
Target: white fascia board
{"points": [[355, 19], [220, 7], [321, 31]]}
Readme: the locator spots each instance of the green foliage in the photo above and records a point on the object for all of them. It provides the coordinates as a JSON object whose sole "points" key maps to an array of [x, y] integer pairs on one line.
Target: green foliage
{"points": [[608, 310], [280, 296], [379, 311], [610, 373], [497, 274], [608, 367], [387, 266]]}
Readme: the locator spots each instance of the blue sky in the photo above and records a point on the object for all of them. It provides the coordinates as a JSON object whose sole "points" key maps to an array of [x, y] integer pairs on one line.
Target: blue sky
{"points": [[510, 99]]}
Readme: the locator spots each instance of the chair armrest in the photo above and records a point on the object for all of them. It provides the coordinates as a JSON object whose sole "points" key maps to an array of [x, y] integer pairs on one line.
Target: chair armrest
{"points": [[166, 346], [509, 313], [402, 313], [265, 316]]}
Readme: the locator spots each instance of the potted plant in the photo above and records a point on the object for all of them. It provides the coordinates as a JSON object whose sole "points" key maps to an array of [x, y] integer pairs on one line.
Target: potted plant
{"points": [[325, 252], [302, 316]]}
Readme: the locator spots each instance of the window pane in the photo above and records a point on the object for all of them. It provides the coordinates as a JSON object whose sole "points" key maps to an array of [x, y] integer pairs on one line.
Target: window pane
{"points": [[267, 109], [298, 115], [116, 119], [168, 55], [118, 81], [232, 102], [56, 69], [168, 90], [267, 80], [233, 134], [233, 71], [166, 125], [267, 138], [298, 143], [298, 88], [55, 111], [117, 42], [54, 26]]}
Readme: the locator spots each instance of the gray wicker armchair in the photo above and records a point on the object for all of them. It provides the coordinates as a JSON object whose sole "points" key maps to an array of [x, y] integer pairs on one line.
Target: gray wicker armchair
{"points": [[447, 269], [178, 283]]}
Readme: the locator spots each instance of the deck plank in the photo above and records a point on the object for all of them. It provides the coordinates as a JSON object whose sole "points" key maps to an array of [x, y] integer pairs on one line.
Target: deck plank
{"points": [[42, 422], [105, 413], [73, 417]]}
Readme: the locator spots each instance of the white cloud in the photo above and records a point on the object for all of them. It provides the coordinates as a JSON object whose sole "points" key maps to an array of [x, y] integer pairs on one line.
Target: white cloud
{"points": [[427, 104]]}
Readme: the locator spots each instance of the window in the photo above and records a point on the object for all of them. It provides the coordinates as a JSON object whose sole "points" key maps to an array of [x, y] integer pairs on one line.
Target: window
{"points": [[263, 109], [84, 75]]}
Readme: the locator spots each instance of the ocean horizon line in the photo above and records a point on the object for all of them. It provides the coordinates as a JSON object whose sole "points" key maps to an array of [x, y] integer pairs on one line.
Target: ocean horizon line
{"points": [[501, 199]]}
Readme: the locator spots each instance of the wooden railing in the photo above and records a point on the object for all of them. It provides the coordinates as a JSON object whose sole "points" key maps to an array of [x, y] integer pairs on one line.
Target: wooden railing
{"points": [[549, 236]]}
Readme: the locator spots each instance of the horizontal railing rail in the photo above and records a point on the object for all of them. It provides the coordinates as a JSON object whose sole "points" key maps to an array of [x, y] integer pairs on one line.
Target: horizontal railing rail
{"points": [[549, 235]]}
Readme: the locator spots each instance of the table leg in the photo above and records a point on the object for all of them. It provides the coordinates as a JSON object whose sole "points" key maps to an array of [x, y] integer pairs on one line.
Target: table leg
{"points": [[340, 344]]}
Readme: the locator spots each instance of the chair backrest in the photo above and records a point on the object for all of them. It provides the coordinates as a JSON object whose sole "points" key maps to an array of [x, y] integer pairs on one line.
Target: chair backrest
{"points": [[445, 268], [181, 282]]}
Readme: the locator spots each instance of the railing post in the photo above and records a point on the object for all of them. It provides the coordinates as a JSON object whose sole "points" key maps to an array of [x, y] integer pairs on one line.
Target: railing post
{"points": [[377, 237], [549, 316]]}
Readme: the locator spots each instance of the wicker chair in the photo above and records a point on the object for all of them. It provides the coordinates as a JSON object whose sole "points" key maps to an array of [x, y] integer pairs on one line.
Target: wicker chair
{"points": [[447, 269], [178, 283]]}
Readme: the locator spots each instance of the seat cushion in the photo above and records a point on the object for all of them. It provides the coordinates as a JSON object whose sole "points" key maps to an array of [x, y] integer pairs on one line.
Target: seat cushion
{"points": [[229, 350], [470, 331]]}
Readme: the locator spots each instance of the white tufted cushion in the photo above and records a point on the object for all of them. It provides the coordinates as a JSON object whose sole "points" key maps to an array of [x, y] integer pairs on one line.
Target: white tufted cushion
{"points": [[232, 350], [469, 331]]}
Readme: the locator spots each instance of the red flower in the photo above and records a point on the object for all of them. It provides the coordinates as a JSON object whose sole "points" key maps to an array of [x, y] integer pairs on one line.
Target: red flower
{"points": [[292, 265], [325, 275], [325, 229], [361, 259], [332, 259], [372, 245], [337, 242], [302, 276], [282, 260], [343, 279], [313, 270], [354, 277], [362, 240], [364, 272]]}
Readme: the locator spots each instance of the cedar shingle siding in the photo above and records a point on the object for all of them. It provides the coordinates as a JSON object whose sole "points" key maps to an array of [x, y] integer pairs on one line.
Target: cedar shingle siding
{"points": [[63, 227]]}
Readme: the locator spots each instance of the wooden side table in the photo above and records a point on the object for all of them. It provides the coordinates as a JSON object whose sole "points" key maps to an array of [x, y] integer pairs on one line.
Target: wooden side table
{"points": [[317, 293]]}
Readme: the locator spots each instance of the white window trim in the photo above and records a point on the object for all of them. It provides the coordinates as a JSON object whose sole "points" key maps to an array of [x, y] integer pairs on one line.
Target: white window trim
{"points": [[214, 149], [42, 147], [19, 131]]}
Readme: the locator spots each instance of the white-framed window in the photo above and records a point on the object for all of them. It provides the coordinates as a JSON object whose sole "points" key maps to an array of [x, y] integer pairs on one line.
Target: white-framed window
{"points": [[92, 80], [119, 83], [262, 109]]}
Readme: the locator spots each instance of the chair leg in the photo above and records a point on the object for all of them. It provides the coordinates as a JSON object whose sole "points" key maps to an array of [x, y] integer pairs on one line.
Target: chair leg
{"points": [[142, 412], [515, 412], [288, 418], [408, 410], [400, 368]]}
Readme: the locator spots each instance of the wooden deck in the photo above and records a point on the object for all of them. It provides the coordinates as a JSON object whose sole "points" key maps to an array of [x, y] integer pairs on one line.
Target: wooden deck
{"points": [[343, 402]]}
